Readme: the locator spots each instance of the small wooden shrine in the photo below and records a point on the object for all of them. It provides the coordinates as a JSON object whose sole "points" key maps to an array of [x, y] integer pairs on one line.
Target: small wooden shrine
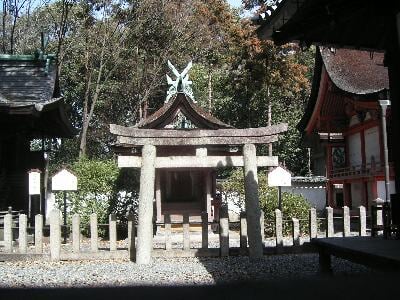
{"points": [[179, 150], [31, 107]]}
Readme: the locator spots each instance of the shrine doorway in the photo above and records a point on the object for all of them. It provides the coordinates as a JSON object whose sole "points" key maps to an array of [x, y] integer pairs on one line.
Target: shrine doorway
{"points": [[182, 192]]}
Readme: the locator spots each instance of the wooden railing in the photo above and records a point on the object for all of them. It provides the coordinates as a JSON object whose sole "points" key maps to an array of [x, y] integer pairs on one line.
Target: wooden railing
{"points": [[368, 169]]}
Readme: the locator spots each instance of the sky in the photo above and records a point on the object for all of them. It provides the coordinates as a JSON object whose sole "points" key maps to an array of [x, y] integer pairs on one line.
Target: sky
{"points": [[235, 3]]}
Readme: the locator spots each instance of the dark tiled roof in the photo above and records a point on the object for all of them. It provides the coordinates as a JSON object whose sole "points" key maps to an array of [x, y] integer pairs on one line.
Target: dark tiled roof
{"points": [[355, 71], [180, 101], [26, 81], [30, 101]]}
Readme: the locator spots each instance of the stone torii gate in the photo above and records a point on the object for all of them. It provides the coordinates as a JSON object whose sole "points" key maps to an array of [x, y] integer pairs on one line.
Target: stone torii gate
{"points": [[182, 136]]}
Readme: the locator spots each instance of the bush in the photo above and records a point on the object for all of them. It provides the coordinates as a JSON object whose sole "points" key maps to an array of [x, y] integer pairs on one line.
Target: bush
{"points": [[96, 185], [293, 206]]}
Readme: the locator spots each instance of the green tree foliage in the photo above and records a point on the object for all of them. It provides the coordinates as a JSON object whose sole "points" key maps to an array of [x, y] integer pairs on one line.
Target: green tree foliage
{"points": [[293, 206], [96, 187]]}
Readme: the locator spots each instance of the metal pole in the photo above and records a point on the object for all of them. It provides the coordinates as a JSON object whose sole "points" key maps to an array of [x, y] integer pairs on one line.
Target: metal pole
{"points": [[386, 218], [65, 217]]}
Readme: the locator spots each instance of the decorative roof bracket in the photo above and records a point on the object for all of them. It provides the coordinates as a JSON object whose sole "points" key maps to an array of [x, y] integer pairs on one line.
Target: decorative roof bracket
{"points": [[181, 84]]}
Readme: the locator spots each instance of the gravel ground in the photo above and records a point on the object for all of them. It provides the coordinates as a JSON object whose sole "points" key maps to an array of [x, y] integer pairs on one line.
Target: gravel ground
{"points": [[167, 272]]}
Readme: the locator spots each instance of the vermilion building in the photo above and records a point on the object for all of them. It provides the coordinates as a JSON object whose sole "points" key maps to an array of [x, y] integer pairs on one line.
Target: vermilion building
{"points": [[342, 125]]}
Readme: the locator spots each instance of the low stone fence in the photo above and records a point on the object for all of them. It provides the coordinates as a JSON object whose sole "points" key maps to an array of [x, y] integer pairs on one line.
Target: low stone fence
{"points": [[220, 245]]}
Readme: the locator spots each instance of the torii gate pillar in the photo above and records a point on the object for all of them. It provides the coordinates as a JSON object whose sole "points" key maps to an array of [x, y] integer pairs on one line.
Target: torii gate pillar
{"points": [[253, 211], [146, 196]]}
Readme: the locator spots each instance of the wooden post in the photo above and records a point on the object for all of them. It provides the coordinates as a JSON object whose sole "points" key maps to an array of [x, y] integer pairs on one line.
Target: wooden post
{"points": [[146, 196], [8, 234], [158, 195], [55, 235], [93, 233], [224, 231], [131, 237], [76, 233], [346, 221], [167, 229], [38, 234], [278, 228], [313, 225], [186, 232], [204, 230], [362, 221], [330, 232], [113, 232], [22, 241]]}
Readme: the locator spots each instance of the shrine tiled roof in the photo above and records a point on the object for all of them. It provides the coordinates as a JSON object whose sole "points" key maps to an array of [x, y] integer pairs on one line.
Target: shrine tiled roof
{"points": [[26, 80], [30, 98], [355, 71], [180, 102]]}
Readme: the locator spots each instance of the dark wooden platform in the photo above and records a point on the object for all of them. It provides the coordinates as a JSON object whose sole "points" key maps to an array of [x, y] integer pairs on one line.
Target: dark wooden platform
{"points": [[375, 252]]}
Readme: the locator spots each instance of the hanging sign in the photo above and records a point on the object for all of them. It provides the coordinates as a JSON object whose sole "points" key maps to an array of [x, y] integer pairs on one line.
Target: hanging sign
{"points": [[279, 177], [64, 180], [34, 182]]}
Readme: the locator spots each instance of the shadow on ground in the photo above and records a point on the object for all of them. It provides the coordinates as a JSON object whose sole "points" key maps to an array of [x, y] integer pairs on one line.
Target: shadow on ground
{"points": [[337, 287]]}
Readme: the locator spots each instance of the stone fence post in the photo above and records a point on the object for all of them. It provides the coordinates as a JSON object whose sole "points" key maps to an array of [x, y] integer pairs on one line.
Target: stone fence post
{"points": [[38, 234], [167, 229], [262, 225], [278, 228], [204, 230], [55, 234], [224, 231], [131, 237], [346, 221], [186, 232], [8, 234], [329, 222], [94, 244], [243, 232], [22, 240], [313, 224], [362, 221], [296, 231], [113, 232], [76, 233]]}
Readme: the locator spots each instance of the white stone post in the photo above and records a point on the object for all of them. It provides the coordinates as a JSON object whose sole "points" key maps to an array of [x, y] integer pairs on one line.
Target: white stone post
{"points": [[113, 232], [243, 231], [22, 241], [38, 234], [253, 211], [313, 225], [204, 230], [296, 232], [146, 196], [76, 233], [224, 231], [362, 221], [55, 234], [346, 221], [278, 228], [262, 227], [8, 234], [131, 237], [167, 229], [186, 232], [330, 232], [94, 244]]}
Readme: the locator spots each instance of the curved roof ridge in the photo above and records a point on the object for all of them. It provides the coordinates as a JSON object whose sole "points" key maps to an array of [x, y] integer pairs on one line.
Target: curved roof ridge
{"points": [[165, 115]]}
